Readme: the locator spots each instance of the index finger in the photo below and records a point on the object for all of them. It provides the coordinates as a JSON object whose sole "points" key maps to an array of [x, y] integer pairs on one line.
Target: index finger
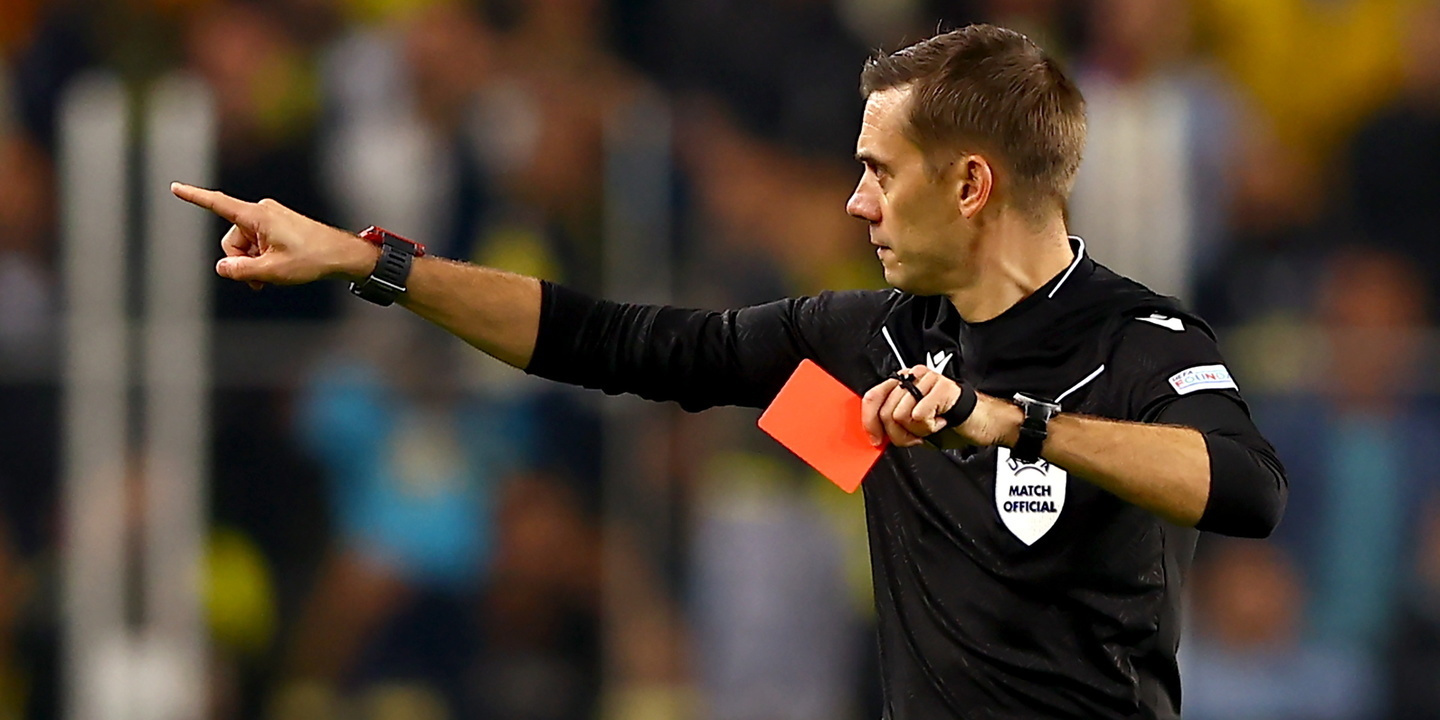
{"points": [[212, 200], [870, 408]]}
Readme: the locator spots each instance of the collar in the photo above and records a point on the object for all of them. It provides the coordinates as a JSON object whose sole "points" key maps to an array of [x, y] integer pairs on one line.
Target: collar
{"points": [[1073, 275]]}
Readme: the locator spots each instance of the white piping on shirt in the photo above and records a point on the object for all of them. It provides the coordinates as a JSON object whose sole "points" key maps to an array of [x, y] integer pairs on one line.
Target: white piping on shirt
{"points": [[886, 332], [1073, 264], [1080, 384]]}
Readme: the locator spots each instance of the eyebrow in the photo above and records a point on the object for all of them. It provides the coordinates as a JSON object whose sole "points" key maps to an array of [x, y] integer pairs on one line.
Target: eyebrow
{"points": [[865, 158]]}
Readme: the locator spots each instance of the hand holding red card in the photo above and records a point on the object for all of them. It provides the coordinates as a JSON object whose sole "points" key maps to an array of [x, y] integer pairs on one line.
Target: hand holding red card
{"points": [[818, 418]]}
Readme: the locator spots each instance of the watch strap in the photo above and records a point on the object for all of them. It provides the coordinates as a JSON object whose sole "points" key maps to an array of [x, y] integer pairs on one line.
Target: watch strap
{"points": [[1034, 428], [388, 280]]}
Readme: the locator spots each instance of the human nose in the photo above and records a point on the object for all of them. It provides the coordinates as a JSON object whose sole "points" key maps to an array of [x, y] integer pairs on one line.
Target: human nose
{"points": [[864, 203]]}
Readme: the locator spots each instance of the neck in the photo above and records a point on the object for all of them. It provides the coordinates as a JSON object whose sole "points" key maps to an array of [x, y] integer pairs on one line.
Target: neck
{"points": [[1010, 260]]}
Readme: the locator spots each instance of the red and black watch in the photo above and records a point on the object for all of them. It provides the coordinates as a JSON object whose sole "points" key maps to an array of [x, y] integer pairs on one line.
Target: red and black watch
{"points": [[387, 281]]}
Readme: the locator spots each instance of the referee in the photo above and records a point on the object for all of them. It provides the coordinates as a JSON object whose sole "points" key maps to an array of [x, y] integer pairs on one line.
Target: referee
{"points": [[1059, 433]]}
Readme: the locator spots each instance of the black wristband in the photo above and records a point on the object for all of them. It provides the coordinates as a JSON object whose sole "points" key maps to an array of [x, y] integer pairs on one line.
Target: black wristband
{"points": [[963, 407], [958, 413]]}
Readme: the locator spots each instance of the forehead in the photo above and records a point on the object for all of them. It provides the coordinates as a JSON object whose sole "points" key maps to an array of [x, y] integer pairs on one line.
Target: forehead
{"points": [[881, 130]]}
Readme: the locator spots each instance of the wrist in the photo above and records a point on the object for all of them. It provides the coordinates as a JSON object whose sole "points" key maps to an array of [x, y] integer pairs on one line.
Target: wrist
{"points": [[388, 279], [358, 259], [1010, 417]]}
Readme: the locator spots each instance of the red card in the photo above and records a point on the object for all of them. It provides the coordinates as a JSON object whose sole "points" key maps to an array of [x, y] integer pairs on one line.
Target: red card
{"points": [[818, 418]]}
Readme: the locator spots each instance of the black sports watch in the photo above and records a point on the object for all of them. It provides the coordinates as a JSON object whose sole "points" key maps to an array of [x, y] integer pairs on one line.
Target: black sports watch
{"points": [[387, 281], [1033, 428]]}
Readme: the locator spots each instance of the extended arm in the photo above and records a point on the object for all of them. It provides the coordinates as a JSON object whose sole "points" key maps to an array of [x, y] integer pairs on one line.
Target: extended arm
{"points": [[697, 358]]}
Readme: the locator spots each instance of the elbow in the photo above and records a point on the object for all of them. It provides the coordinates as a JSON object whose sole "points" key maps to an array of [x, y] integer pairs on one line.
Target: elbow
{"points": [[1269, 519], [1248, 492], [1256, 521], [1256, 518]]}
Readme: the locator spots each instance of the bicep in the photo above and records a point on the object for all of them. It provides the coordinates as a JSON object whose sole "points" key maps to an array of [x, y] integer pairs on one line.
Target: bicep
{"points": [[697, 358]]}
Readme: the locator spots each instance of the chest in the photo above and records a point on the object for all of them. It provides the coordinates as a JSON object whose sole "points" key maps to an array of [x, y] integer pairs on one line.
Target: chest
{"points": [[982, 499]]}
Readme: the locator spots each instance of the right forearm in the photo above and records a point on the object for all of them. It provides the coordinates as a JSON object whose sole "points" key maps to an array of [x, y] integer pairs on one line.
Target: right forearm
{"points": [[497, 312]]}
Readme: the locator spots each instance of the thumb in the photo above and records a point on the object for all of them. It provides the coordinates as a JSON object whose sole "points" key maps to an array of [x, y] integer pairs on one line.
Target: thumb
{"points": [[245, 268]]}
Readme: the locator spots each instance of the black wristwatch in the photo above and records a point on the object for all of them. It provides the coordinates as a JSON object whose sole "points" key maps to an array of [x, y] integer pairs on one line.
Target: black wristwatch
{"points": [[1034, 427], [387, 281]]}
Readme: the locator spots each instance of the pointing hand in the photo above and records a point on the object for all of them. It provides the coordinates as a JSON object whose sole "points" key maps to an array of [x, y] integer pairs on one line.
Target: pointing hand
{"points": [[270, 243]]}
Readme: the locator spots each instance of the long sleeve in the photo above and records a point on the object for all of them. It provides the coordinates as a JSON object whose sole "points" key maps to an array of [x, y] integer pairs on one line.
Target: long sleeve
{"points": [[696, 358]]}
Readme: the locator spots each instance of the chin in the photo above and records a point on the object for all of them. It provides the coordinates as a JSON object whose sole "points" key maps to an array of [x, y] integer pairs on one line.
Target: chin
{"points": [[899, 282]]}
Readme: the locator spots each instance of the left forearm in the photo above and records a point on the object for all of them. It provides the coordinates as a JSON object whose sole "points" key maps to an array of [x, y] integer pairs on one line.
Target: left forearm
{"points": [[1162, 468]]}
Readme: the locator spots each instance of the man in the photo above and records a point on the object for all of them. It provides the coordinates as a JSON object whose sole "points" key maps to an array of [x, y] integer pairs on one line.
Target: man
{"points": [[1033, 569]]}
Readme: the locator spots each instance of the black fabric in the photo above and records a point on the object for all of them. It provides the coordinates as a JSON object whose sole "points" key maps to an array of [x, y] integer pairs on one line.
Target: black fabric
{"points": [[974, 622], [1248, 487]]}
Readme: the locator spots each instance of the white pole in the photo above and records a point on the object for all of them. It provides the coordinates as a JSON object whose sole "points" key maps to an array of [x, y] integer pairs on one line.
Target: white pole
{"points": [[637, 268], [180, 141], [93, 225]]}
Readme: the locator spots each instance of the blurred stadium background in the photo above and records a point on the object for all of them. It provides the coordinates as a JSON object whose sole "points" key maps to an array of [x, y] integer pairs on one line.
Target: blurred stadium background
{"points": [[289, 505]]}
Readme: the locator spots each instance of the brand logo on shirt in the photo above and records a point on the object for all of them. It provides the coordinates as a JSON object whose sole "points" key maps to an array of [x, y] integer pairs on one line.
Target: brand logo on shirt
{"points": [[1029, 495], [1169, 323], [1202, 377], [938, 361]]}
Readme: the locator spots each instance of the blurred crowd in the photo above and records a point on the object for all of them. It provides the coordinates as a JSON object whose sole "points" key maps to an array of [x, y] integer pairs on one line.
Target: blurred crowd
{"points": [[400, 528]]}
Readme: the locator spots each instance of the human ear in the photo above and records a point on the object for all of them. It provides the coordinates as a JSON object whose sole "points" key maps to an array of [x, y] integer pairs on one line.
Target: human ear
{"points": [[974, 182]]}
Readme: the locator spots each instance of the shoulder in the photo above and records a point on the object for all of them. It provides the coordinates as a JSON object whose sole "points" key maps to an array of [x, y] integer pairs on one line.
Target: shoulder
{"points": [[1157, 357], [850, 310], [861, 300], [1162, 333], [821, 325]]}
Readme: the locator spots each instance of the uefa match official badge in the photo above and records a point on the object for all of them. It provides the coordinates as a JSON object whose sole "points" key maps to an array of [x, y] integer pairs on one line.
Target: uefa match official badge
{"points": [[1029, 495]]}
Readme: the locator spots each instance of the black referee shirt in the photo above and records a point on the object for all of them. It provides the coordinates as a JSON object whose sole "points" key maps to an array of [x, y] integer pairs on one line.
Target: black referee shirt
{"points": [[1003, 590]]}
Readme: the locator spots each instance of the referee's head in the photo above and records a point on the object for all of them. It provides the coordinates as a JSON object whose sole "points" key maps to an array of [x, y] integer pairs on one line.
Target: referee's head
{"points": [[959, 128]]}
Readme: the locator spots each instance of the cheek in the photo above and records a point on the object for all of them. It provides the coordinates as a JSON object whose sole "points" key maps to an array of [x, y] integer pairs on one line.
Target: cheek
{"points": [[919, 222]]}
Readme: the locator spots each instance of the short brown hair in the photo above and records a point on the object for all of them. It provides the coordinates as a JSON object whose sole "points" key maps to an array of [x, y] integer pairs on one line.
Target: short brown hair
{"points": [[986, 88]]}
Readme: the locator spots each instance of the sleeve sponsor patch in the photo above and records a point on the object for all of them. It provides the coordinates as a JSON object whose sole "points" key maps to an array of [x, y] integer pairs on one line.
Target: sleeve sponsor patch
{"points": [[1202, 377]]}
